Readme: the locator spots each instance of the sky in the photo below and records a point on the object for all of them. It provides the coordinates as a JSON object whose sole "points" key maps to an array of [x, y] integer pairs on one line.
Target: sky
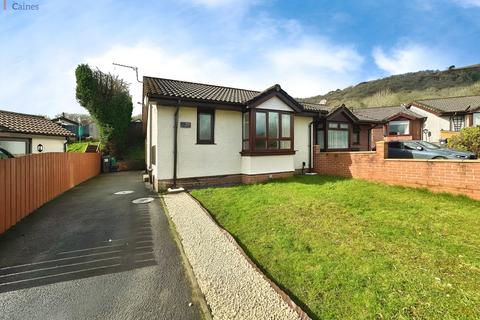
{"points": [[309, 47]]}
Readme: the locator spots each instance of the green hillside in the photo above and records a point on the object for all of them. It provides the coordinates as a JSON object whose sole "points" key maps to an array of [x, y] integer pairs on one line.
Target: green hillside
{"points": [[404, 88]]}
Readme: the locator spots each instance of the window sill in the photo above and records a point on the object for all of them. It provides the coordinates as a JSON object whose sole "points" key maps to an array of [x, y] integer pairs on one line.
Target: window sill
{"points": [[267, 153], [206, 143]]}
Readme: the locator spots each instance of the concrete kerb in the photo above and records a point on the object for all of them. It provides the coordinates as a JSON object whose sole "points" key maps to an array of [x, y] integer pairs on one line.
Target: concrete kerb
{"points": [[196, 291], [285, 297]]}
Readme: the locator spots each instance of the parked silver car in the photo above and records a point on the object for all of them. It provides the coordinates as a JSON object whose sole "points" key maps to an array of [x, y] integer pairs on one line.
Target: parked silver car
{"points": [[417, 149]]}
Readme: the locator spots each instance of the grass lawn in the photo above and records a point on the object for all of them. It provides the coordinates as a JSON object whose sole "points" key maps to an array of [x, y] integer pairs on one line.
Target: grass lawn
{"points": [[351, 249], [79, 146]]}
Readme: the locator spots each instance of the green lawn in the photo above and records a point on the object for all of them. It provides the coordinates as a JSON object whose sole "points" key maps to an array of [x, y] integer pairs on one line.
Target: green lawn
{"points": [[79, 146], [351, 249]]}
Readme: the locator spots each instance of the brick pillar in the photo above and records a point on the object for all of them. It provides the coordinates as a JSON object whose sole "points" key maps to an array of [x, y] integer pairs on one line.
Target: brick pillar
{"points": [[382, 149]]}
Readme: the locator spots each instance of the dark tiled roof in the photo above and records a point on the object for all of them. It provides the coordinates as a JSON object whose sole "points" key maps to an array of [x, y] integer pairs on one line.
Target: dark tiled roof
{"points": [[382, 113], [315, 107], [198, 91], [26, 123], [452, 104]]}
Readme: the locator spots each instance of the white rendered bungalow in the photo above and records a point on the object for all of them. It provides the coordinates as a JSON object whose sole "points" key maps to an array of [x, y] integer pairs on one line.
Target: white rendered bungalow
{"points": [[199, 134]]}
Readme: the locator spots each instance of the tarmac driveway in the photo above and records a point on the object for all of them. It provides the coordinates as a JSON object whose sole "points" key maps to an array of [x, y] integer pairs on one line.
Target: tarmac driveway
{"points": [[91, 254]]}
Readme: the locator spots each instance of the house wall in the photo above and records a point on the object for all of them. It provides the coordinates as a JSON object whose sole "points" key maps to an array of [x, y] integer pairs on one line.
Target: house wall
{"points": [[274, 103], [416, 127], [221, 161], [221, 158], [433, 123], [50, 144], [377, 134], [267, 164], [458, 177]]}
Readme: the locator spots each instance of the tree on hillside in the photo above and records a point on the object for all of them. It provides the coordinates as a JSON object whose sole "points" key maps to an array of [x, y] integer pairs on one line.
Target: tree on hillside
{"points": [[467, 140], [107, 99]]}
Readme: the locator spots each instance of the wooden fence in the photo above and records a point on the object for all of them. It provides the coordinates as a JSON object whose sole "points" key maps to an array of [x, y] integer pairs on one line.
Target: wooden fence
{"points": [[28, 182]]}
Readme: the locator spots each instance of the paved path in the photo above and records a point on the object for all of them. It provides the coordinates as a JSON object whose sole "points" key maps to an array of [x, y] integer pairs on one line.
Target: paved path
{"points": [[90, 254]]}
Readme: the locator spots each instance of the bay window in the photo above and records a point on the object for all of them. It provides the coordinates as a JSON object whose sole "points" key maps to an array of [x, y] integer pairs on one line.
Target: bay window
{"points": [[338, 135], [267, 132], [400, 127]]}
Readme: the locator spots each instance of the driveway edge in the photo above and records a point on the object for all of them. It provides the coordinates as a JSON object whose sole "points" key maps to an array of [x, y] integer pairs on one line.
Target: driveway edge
{"points": [[285, 297], [197, 294]]}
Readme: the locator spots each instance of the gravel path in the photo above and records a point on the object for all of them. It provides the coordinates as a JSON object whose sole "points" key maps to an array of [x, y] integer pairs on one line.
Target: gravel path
{"points": [[232, 287]]}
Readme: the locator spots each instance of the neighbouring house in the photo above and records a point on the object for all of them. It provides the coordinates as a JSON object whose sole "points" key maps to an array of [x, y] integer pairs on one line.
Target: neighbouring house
{"points": [[22, 134], [82, 130], [392, 123], [447, 116], [69, 124], [199, 134]]}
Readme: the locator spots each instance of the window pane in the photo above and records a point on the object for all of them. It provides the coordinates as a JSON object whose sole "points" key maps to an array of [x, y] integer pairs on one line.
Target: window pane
{"points": [[286, 119], [246, 145], [260, 144], [343, 125], [205, 127], [337, 139], [321, 139], [246, 125], [261, 124], [273, 125], [398, 127], [458, 123], [17, 148], [476, 119], [273, 144], [285, 144], [332, 125]]}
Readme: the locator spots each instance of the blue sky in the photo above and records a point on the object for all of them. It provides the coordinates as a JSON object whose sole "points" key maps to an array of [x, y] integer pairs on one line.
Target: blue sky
{"points": [[308, 47]]}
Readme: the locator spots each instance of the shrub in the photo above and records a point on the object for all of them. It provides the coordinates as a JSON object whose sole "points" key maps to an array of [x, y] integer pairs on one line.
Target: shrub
{"points": [[467, 140]]}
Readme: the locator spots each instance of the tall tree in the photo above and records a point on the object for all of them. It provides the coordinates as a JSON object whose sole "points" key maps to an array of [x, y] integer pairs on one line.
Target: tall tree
{"points": [[107, 99]]}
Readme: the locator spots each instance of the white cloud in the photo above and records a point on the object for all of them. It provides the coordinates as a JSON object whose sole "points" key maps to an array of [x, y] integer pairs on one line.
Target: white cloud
{"points": [[409, 58], [308, 69], [468, 3], [253, 52], [318, 53]]}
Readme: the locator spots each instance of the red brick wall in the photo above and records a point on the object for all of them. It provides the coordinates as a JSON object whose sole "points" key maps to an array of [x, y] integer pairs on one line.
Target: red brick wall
{"points": [[377, 134], [459, 177]]}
